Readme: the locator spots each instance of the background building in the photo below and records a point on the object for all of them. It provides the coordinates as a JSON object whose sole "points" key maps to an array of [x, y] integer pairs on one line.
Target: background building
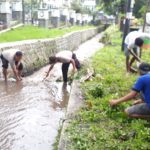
{"points": [[89, 4], [5, 13]]}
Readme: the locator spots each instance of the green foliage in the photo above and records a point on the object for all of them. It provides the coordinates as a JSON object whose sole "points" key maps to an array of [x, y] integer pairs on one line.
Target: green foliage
{"points": [[139, 8], [107, 35], [96, 90], [113, 6], [97, 126], [79, 8], [31, 32]]}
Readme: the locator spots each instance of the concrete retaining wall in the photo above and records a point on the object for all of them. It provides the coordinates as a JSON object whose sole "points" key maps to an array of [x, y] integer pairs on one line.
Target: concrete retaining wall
{"points": [[37, 52]]}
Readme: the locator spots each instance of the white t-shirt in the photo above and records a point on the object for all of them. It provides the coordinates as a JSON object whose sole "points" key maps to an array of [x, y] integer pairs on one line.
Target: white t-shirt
{"points": [[64, 56], [9, 56], [131, 37]]}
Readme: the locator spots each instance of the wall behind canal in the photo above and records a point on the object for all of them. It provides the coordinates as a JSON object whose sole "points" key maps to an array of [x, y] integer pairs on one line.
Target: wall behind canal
{"points": [[37, 52]]}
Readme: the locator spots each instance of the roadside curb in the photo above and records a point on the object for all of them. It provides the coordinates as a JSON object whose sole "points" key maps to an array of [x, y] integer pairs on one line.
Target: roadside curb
{"points": [[74, 104]]}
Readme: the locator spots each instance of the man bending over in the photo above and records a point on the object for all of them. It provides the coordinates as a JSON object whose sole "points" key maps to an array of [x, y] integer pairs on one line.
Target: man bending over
{"points": [[132, 46], [12, 57], [66, 58]]}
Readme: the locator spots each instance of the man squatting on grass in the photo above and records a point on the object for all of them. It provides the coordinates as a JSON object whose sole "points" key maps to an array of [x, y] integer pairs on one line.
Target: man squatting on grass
{"points": [[12, 57], [66, 58], [141, 108], [133, 45]]}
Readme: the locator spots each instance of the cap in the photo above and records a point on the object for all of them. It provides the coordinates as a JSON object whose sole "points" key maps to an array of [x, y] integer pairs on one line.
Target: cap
{"points": [[144, 67]]}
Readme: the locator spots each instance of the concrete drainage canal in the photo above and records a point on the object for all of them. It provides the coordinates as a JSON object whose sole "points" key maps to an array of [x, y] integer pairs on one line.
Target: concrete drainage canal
{"points": [[31, 111]]}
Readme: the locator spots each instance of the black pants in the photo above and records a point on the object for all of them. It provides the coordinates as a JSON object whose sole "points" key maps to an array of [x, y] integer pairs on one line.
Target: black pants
{"points": [[65, 68]]}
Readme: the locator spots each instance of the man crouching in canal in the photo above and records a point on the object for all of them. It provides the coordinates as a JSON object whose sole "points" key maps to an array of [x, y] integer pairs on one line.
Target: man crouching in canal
{"points": [[141, 108], [66, 58], [12, 57]]}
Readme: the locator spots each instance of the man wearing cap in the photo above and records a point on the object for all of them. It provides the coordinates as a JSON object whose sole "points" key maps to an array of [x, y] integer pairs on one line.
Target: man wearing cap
{"points": [[12, 57], [66, 58], [141, 108], [132, 46]]}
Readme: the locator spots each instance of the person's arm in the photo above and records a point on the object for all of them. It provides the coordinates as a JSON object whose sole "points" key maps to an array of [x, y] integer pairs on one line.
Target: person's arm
{"points": [[134, 55], [50, 68], [73, 64], [16, 73], [126, 98]]}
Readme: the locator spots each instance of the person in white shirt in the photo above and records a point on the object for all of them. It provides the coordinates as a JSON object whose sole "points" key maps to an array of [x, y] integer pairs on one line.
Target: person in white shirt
{"points": [[133, 45], [66, 58], [12, 57]]}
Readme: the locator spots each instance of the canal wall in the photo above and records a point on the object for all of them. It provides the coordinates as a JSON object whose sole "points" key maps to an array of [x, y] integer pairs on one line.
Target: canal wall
{"points": [[37, 52]]}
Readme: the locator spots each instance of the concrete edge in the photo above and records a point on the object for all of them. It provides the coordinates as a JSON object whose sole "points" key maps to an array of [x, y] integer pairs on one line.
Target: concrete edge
{"points": [[74, 104], [31, 41]]}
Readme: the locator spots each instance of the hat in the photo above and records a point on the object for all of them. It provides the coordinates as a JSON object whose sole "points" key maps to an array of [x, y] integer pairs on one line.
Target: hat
{"points": [[144, 68]]}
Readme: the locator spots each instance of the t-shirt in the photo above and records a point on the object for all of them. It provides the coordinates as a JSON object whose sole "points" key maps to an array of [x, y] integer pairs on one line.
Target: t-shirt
{"points": [[64, 56], [9, 56], [143, 85], [131, 37]]}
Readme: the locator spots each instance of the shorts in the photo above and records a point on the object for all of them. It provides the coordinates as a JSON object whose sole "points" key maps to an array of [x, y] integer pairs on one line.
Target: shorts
{"points": [[127, 53], [139, 109], [5, 64]]}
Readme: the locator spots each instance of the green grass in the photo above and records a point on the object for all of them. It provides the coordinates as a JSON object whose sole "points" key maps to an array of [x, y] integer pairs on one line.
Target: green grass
{"points": [[97, 126], [31, 32]]}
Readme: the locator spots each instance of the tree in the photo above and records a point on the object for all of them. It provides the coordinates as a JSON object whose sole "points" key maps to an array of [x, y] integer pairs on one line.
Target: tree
{"points": [[112, 6], [79, 8], [139, 8]]}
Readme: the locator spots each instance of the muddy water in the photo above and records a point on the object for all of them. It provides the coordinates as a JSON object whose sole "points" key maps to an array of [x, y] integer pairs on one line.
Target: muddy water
{"points": [[31, 111]]}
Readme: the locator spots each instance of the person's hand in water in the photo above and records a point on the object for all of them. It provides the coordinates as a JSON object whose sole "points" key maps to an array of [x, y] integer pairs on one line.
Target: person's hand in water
{"points": [[47, 75], [18, 79], [48, 72]]}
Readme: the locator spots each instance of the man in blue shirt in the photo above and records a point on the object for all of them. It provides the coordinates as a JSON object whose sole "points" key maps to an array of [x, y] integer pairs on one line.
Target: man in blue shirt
{"points": [[141, 108]]}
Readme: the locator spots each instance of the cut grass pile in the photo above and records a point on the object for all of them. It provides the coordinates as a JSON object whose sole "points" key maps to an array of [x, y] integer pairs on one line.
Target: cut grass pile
{"points": [[30, 32], [97, 126]]}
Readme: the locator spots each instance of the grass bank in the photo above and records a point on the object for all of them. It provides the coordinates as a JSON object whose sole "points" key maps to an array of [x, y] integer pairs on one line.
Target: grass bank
{"points": [[97, 126], [30, 32]]}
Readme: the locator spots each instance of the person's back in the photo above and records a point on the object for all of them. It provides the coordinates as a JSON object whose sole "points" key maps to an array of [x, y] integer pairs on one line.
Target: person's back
{"points": [[131, 37], [65, 54], [143, 85], [9, 55]]}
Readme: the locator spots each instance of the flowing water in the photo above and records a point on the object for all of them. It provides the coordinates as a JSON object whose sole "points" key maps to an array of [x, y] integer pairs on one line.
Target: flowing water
{"points": [[31, 111]]}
